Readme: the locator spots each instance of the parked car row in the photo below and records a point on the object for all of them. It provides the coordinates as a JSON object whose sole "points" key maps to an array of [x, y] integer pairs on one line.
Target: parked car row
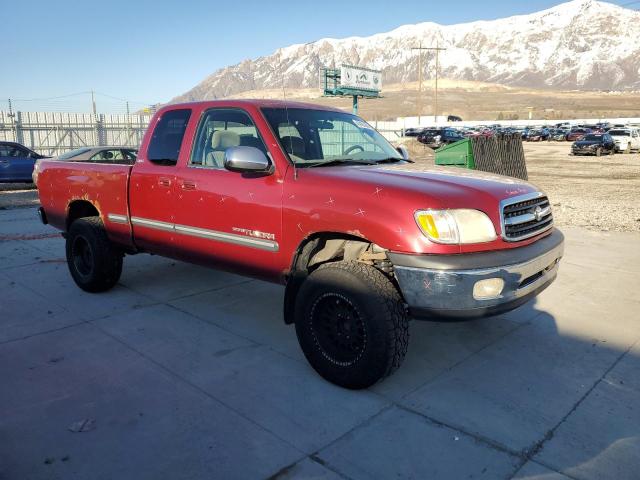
{"points": [[20, 164], [625, 138]]}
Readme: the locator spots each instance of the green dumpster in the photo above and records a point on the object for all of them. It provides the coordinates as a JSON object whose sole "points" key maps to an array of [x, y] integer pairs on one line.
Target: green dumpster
{"points": [[459, 154]]}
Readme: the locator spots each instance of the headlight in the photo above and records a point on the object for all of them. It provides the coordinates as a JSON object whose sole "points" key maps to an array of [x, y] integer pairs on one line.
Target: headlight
{"points": [[456, 226]]}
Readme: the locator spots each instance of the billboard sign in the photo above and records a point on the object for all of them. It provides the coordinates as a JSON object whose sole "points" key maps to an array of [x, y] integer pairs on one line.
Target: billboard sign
{"points": [[360, 78]]}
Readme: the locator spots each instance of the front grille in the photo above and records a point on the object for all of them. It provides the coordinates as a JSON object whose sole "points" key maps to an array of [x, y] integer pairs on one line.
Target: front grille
{"points": [[525, 216]]}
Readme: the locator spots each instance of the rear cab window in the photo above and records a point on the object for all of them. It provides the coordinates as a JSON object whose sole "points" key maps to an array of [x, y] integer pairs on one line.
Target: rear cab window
{"points": [[166, 140]]}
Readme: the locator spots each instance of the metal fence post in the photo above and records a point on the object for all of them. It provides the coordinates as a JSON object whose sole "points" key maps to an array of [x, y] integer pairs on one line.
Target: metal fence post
{"points": [[101, 134], [18, 127]]}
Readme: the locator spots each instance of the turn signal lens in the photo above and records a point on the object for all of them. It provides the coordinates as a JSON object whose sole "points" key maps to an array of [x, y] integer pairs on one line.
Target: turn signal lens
{"points": [[428, 225]]}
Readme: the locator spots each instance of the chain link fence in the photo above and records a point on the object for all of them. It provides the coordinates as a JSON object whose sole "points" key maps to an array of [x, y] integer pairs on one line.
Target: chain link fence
{"points": [[52, 133]]}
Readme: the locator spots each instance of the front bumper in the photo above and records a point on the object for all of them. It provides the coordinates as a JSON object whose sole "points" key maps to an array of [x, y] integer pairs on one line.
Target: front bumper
{"points": [[442, 285], [621, 147]]}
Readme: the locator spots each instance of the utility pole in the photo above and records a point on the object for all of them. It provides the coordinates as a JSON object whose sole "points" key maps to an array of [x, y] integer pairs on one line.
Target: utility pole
{"points": [[437, 49], [419, 102], [93, 103]]}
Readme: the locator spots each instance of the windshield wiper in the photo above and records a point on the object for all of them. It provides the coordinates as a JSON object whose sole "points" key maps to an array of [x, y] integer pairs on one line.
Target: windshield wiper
{"points": [[341, 161], [394, 160]]}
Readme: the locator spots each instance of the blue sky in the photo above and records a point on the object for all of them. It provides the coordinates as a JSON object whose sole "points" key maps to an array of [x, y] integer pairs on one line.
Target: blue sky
{"points": [[149, 51]]}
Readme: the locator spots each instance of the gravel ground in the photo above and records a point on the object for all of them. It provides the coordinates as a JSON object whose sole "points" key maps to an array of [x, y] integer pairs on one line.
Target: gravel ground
{"points": [[597, 193], [15, 195]]}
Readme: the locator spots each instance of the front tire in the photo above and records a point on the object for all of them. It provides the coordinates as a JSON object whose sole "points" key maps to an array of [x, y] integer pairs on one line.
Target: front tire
{"points": [[94, 263], [352, 324]]}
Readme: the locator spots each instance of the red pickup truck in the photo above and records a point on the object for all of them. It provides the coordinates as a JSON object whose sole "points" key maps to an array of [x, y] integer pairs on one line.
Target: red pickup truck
{"points": [[316, 199]]}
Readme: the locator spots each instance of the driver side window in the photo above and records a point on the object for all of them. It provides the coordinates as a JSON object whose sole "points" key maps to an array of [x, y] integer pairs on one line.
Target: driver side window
{"points": [[219, 130]]}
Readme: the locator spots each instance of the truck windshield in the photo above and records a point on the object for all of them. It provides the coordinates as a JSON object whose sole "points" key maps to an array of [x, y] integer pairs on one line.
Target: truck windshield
{"points": [[315, 137], [620, 133]]}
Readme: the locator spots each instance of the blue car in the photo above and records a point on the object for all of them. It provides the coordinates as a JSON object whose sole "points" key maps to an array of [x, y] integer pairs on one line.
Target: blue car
{"points": [[16, 162]]}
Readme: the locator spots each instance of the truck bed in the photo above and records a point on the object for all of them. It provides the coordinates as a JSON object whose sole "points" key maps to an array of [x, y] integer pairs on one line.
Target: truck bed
{"points": [[63, 186]]}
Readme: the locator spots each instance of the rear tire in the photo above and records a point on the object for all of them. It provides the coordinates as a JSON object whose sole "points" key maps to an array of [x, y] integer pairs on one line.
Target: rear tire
{"points": [[94, 263], [352, 324]]}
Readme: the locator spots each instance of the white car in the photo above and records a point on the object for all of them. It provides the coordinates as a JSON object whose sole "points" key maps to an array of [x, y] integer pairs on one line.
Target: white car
{"points": [[627, 139]]}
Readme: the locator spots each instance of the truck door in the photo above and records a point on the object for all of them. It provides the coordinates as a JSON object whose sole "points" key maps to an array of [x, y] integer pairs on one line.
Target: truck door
{"points": [[224, 218], [152, 185]]}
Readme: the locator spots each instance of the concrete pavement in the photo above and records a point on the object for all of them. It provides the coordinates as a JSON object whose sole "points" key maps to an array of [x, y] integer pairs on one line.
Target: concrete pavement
{"points": [[183, 372]]}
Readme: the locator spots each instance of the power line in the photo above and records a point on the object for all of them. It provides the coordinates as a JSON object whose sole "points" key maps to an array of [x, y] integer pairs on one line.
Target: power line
{"points": [[84, 101], [49, 98], [88, 92], [123, 99]]}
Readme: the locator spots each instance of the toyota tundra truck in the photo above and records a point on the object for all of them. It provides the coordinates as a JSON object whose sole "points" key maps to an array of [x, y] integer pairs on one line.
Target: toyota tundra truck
{"points": [[362, 238]]}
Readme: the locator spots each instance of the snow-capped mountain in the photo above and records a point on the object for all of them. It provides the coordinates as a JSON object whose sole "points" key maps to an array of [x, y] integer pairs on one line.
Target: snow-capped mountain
{"points": [[581, 44]]}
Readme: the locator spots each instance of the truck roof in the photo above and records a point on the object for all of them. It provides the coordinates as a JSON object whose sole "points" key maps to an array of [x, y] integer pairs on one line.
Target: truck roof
{"points": [[255, 102]]}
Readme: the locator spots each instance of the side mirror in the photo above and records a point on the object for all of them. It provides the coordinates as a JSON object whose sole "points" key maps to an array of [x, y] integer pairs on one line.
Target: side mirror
{"points": [[246, 160], [403, 151]]}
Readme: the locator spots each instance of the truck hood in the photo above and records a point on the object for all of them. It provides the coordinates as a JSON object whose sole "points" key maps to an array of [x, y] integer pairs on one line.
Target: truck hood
{"points": [[449, 187]]}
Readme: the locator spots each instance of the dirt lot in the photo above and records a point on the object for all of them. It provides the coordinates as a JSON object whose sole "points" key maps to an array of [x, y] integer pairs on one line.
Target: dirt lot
{"points": [[474, 101], [596, 193]]}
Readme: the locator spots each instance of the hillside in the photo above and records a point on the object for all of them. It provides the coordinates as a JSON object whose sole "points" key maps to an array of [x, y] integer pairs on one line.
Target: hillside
{"points": [[475, 101], [581, 44]]}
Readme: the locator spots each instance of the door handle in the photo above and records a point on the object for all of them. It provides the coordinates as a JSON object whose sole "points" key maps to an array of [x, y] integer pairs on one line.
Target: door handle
{"points": [[164, 182], [188, 185]]}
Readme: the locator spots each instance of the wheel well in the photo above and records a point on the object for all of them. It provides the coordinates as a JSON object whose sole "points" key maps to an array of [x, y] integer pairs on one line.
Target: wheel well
{"points": [[79, 209], [328, 247]]}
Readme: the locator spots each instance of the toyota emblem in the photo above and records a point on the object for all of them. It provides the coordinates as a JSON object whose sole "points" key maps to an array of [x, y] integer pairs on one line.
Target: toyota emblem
{"points": [[537, 213]]}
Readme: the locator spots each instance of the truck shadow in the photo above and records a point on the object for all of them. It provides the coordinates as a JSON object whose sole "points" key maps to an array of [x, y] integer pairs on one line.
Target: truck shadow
{"points": [[548, 382]]}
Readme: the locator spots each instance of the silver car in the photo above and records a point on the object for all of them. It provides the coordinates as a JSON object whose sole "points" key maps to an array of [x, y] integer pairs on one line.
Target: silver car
{"points": [[112, 155], [119, 155]]}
